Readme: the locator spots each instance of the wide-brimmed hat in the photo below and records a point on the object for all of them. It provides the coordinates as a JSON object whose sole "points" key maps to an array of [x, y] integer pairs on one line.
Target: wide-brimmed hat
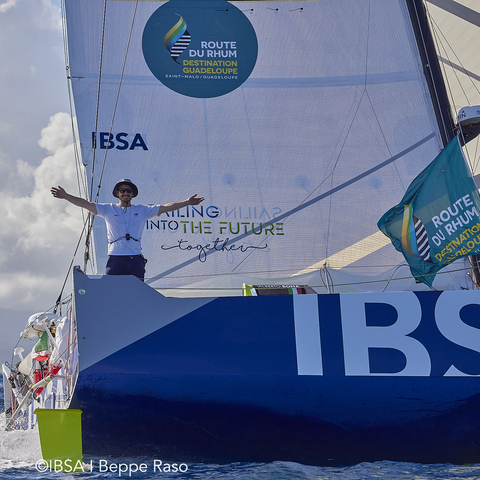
{"points": [[125, 181]]}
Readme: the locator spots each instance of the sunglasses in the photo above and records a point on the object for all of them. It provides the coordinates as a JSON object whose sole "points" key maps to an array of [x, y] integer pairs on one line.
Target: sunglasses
{"points": [[125, 190]]}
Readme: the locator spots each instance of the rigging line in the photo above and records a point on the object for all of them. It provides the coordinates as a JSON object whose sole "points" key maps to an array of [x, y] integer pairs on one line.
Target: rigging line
{"points": [[348, 284], [116, 100], [65, 51], [281, 272], [476, 157], [367, 43], [438, 44], [437, 31], [266, 236], [263, 240], [74, 137], [458, 10], [338, 156], [69, 268], [306, 204], [250, 253], [254, 157], [434, 84], [98, 95], [90, 216], [384, 138], [443, 67], [89, 221], [471, 75], [336, 164], [465, 71], [329, 176], [467, 154], [329, 216], [86, 254]]}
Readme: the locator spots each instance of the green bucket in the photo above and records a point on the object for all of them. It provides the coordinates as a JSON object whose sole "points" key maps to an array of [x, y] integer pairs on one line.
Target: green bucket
{"points": [[61, 438]]}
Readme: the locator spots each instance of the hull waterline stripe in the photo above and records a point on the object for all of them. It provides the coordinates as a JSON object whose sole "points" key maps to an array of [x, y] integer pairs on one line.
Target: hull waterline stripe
{"points": [[306, 204]]}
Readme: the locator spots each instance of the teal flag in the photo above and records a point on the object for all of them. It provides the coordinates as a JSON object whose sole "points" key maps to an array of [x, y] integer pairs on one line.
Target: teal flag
{"points": [[437, 220]]}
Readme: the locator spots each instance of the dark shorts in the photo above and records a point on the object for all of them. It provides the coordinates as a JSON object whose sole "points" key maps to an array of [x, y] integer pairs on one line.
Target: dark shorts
{"points": [[126, 265]]}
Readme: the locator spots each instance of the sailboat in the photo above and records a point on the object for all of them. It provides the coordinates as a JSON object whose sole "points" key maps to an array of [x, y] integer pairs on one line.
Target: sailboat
{"points": [[301, 122]]}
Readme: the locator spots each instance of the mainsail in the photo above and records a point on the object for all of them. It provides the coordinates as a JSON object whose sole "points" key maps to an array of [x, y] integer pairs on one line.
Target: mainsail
{"points": [[297, 159]]}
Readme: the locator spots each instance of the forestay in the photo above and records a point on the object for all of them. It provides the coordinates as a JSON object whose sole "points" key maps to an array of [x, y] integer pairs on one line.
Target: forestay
{"points": [[299, 158]]}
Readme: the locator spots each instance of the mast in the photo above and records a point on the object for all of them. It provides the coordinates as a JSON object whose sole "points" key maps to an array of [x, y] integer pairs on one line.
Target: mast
{"points": [[431, 68]]}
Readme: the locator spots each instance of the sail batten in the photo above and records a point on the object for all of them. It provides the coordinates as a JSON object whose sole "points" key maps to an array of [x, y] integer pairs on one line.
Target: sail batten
{"points": [[253, 82]]}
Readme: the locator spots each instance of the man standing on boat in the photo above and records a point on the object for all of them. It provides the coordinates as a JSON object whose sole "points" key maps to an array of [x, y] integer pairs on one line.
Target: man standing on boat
{"points": [[125, 223]]}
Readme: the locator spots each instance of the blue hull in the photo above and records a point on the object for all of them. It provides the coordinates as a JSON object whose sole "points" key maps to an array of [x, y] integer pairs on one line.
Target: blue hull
{"points": [[389, 376], [200, 419]]}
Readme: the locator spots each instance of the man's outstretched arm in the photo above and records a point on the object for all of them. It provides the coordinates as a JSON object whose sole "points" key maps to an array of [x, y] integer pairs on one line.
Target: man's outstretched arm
{"points": [[170, 207], [59, 192]]}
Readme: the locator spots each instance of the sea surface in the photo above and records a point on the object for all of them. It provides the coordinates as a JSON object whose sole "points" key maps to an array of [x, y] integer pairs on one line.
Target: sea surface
{"points": [[20, 458]]}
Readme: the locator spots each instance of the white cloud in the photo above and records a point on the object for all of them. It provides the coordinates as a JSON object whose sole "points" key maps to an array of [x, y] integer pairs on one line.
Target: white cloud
{"points": [[33, 82], [7, 5], [58, 134], [49, 17], [39, 231]]}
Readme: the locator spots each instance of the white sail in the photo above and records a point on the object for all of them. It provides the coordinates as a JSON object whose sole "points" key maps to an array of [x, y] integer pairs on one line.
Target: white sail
{"points": [[296, 165], [456, 29]]}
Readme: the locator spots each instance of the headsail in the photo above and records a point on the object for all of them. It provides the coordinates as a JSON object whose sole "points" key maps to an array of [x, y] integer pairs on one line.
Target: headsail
{"points": [[455, 27], [296, 163]]}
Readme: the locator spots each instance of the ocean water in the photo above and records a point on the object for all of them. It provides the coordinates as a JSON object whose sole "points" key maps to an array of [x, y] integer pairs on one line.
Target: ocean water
{"points": [[20, 458]]}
